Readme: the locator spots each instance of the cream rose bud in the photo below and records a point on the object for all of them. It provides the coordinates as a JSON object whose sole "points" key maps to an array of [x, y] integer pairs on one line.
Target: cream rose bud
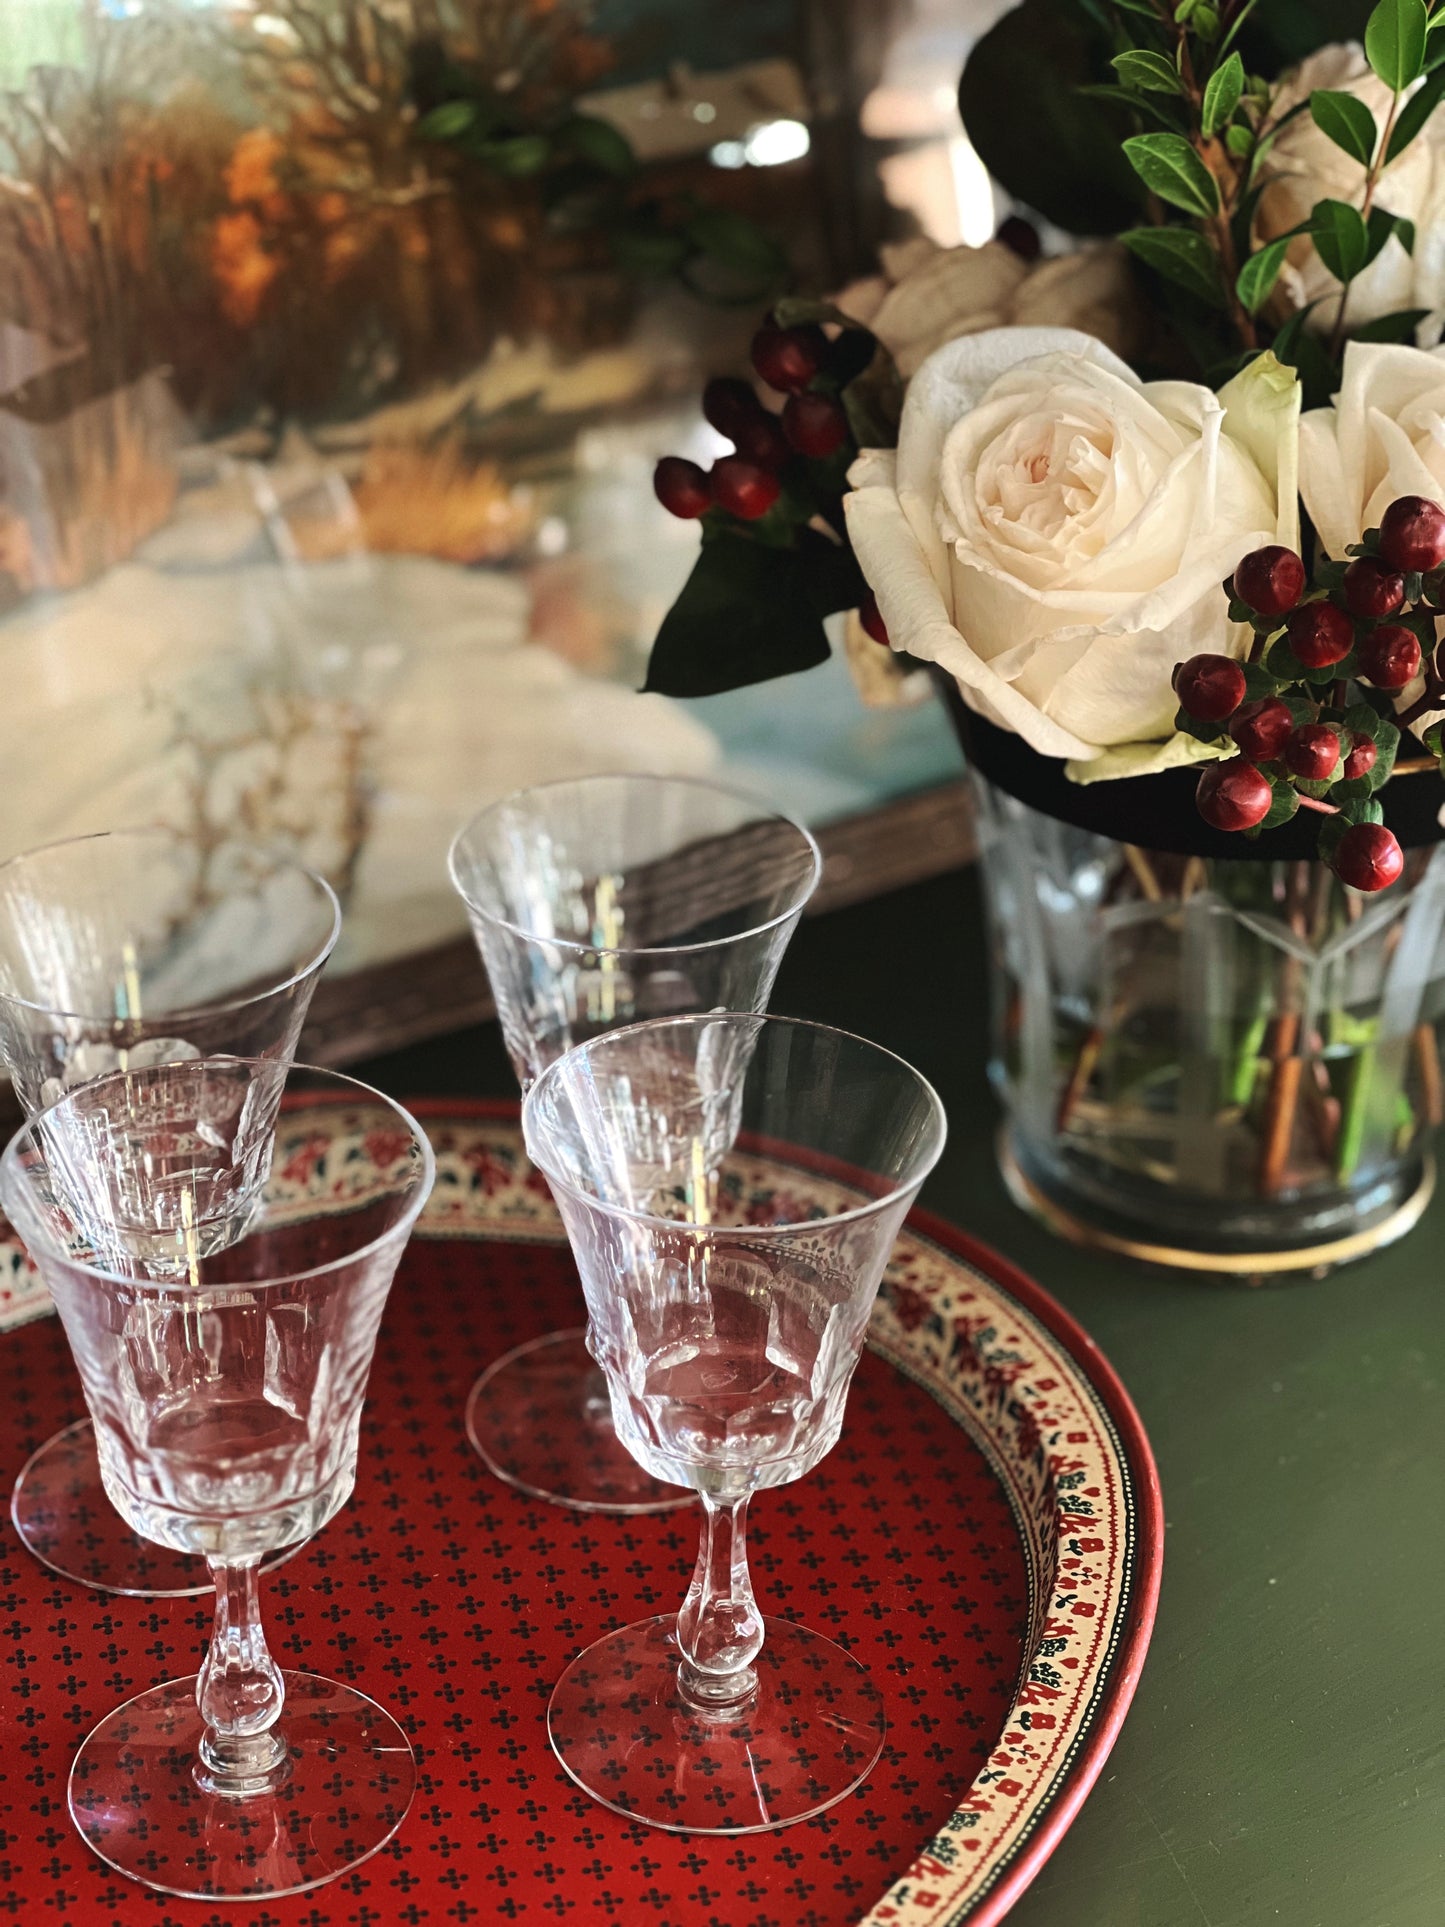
{"points": [[1304, 166], [1054, 532]]}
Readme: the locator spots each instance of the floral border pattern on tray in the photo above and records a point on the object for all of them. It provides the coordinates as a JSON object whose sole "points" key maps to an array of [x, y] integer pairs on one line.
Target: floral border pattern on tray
{"points": [[1009, 1366]]}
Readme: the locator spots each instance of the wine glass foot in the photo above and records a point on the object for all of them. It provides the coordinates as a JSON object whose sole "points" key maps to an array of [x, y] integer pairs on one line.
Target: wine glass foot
{"points": [[540, 1419], [63, 1517], [134, 1797], [810, 1733]]}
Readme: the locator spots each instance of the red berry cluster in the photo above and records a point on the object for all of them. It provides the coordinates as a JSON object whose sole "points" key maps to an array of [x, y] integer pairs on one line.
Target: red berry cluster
{"points": [[1300, 741], [807, 367]]}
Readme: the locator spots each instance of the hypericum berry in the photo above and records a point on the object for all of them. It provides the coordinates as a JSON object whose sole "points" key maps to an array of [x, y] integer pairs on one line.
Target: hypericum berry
{"points": [[1390, 656], [1020, 237], [872, 621], [1313, 752], [1233, 795], [815, 424], [1270, 580], [681, 487], [788, 358], [1373, 588], [1361, 759], [1209, 688], [1262, 728], [1368, 857], [743, 488], [1412, 534], [762, 440], [728, 402], [1320, 634]]}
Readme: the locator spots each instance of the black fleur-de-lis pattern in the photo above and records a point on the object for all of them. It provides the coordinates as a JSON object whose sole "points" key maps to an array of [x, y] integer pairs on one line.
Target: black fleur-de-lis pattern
{"points": [[985, 1538]]}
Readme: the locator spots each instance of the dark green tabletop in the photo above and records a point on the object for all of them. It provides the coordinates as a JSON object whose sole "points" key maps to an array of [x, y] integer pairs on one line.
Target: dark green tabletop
{"points": [[1284, 1760]]}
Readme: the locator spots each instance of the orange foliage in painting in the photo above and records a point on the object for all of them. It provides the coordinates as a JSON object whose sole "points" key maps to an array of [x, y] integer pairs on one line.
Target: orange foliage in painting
{"points": [[250, 173], [288, 242], [243, 268]]}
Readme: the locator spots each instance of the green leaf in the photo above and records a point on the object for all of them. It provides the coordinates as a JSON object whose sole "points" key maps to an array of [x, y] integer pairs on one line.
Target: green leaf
{"points": [[1147, 72], [1259, 274], [1150, 106], [1258, 681], [1170, 168], [745, 615], [1206, 21], [1201, 731], [1340, 237], [1362, 720], [445, 123], [1284, 806], [598, 143], [1366, 811], [1347, 121], [1287, 341], [736, 242], [1181, 256], [1222, 95], [1381, 226], [1395, 35], [1414, 114], [1319, 375], [797, 310], [1397, 327], [517, 157], [1049, 145], [645, 251], [1239, 141]]}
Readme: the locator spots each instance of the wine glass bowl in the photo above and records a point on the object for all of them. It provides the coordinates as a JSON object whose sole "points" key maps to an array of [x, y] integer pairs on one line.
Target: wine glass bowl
{"points": [[596, 903], [134, 948], [129, 951], [728, 1317], [227, 1405], [161, 1167]]}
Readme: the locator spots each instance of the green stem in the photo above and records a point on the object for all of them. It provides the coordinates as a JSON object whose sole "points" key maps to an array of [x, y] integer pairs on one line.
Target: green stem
{"points": [[1245, 1073], [1355, 1111]]}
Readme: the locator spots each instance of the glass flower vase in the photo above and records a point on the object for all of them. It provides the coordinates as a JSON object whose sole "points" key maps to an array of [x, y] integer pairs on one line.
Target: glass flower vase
{"points": [[1230, 1065]]}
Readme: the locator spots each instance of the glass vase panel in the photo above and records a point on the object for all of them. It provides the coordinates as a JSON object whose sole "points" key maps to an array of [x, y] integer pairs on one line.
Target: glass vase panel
{"points": [[1230, 1062]]}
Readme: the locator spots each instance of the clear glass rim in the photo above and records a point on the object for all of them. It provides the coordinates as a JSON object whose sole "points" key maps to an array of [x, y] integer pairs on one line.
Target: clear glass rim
{"points": [[726, 1232], [160, 1287], [308, 969], [765, 813]]}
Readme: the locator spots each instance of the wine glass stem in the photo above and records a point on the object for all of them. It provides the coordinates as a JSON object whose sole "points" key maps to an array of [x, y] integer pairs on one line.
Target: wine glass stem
{"points": [[240, 1690], [720, 1630]]}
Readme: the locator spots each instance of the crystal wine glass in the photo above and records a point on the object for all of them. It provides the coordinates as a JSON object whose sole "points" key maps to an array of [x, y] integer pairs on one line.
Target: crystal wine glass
{"points": [[596, 902], [123, 951], [226, 1398], [728, 1312]]}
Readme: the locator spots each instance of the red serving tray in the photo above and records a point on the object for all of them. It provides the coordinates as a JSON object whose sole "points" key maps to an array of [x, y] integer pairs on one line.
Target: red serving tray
{"points": [[987, 1537]]}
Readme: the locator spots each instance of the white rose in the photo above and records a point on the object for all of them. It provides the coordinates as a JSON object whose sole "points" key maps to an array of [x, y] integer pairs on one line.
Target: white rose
{"points": [[1054, 532], [1383, 437], [927, 295], [1304, 166]]}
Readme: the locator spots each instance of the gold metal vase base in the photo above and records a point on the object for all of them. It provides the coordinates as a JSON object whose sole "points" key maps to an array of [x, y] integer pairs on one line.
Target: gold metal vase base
{"points": [[1242, 1267]]}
